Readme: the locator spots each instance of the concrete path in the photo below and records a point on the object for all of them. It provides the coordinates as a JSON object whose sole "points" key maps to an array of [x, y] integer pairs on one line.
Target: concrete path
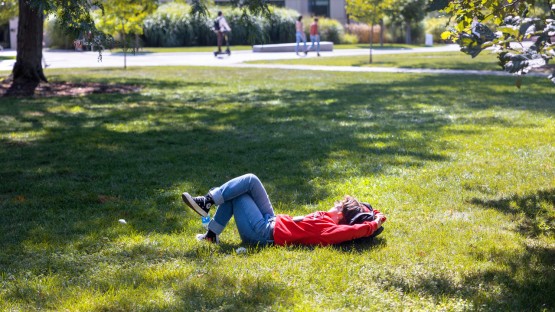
{"points": [[71, 59]]}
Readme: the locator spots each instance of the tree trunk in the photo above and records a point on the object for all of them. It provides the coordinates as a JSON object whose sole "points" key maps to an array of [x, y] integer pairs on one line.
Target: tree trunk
{"points": [[381, 32], [408, 37], [27, 72], [371, 41], [124, 46]]}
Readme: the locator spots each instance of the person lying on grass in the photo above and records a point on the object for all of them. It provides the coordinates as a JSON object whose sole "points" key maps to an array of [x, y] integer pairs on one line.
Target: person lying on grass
{"points": [[245, 198]]}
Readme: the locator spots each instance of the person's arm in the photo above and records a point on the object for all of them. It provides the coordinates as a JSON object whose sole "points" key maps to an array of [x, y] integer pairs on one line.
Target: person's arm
{"points": [[224, 25], [342, 233], [379, 217]]}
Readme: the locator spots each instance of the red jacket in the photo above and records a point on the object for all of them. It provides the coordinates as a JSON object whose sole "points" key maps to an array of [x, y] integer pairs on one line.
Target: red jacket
{"points": [[313, 29], [318, 228]]}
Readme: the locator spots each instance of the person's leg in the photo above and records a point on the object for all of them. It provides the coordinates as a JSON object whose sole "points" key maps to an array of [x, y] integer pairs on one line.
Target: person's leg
{"points": [[245, 184], [226, 36], [318, 46], [220, 39], [304, 40], [312, 38], [298, 38], [254, 226]]}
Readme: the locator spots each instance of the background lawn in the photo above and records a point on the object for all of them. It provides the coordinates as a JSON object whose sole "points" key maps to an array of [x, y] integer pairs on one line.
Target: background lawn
{"points": [[432, 60], [464, 168], [248, 47], [187, 49]]}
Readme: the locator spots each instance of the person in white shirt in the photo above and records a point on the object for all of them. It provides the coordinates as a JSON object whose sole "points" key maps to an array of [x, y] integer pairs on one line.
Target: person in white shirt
{"points": [[222, 30]]}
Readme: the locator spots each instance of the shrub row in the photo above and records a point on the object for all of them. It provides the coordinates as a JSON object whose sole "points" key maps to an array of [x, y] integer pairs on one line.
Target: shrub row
{"points": [[172, 25], [362, 32]]}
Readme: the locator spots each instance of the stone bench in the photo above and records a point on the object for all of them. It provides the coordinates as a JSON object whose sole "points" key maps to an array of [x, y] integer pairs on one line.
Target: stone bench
{"points": [[325, 46]]}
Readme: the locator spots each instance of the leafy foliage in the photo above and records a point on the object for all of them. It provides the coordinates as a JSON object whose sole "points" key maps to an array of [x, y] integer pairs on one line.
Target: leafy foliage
{"points": [[172, 25], [55, 35], [124, 16], [367, 11], [254, 7], [514, 25], [8, 9]]}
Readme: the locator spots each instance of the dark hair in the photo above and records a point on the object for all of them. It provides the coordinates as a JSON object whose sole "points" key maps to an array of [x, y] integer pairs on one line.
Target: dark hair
{"points": [[299, 18], [350, 207], [220, 13]]}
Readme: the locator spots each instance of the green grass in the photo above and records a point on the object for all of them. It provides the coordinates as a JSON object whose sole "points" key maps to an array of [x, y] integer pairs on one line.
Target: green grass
{"points": [[248, 47], [185, 49], [464, 168], [387, 46], [431, 60], [2, 58]]}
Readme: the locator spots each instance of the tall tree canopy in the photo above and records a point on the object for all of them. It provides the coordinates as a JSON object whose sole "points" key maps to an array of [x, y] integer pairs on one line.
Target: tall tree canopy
{"points": [[521, 33]]}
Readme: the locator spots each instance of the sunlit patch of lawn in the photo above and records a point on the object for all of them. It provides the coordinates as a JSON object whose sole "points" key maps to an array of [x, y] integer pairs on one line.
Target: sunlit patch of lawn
{"points": [[431, 60], [464, 168]]}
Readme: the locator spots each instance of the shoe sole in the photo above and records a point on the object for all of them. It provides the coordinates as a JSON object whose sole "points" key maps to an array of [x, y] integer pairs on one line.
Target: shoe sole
{"points": [[200, 238], [188, 199]]}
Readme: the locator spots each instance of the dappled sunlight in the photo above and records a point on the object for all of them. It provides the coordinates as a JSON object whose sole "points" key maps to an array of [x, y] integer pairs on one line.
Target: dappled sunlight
{"points": [[418, 147], [24, 137]]}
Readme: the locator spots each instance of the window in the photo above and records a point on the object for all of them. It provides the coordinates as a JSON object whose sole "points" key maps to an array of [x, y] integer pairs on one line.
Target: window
{"points": [[320, 7], [276, 3]]}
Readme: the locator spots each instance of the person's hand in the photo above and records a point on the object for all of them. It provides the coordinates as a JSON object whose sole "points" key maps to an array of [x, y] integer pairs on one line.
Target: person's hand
{"points": [[380, 219]]}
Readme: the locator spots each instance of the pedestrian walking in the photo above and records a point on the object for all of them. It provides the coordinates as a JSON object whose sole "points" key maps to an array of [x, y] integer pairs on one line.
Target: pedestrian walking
{"points": [[315, 36], [299, 35]]}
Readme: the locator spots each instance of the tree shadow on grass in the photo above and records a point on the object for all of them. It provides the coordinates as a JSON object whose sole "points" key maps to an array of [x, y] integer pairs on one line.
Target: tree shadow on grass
{"points": [[291, 143], [534, 213], [125, 156], [243, 293], [521, 280]]}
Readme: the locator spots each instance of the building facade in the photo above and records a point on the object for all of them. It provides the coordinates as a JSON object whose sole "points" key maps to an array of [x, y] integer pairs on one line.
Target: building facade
{"points": [[329, 8]]}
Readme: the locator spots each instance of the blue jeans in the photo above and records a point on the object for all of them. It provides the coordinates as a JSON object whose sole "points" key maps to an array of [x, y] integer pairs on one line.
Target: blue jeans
{"points": [[315, 38], [245, 198], [300, 36]]}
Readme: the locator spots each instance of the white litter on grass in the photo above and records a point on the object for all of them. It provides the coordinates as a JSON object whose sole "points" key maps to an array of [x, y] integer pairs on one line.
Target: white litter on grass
{"points": [[122, 221], [241, 250]]}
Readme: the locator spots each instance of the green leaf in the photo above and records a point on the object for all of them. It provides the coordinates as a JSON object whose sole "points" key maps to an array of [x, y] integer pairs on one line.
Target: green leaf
{"points": [[511, 30], [445, 35]]}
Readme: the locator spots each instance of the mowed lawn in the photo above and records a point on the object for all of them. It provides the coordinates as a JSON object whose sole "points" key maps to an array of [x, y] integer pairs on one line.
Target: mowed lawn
{"points": [[464, 168], [430, 60]]}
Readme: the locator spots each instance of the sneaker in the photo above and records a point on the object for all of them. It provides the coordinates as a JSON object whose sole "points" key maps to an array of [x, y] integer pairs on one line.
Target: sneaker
{"points": [[213, 240], [318, 54], [200, 204]]}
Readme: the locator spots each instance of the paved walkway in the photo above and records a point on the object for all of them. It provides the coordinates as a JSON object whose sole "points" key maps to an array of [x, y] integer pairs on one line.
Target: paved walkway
{"points": [[71, 59]]}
